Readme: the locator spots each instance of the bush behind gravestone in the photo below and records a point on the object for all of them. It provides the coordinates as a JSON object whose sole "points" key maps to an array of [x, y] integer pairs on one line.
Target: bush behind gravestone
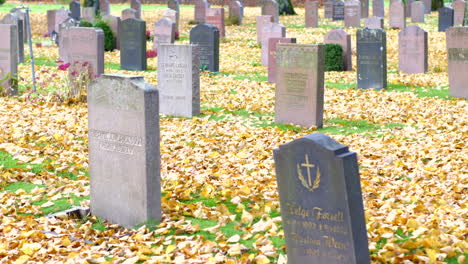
{"points": [[333, 57], [2, 2], [109, 39]]}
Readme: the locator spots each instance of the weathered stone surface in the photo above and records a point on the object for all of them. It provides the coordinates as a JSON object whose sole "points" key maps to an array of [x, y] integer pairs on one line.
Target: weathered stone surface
{"points": [[412, 50], [321, 202], [397, 15], [164, 32], [124, 156], [215, 17], [87, 46], [128, 13], [236, 11], [75, 9], [459, 11], [328, 6], [114, 23], [378, 8], [104, 7], [427, 6], [88, 14], [457, 52], [272, 30], [311, 13], [200, 10], [374, 22], [445, 18], [364, 8], [272, 44], [299, 85], [352, 13], [64, 38], [371, 58], [417, 12], [339, 36], [174, 5], [136, 5], [133, 44], [338, 10], [54, 18], [173, 16], [179, 79], [206, 37], [407, 5], [261, 21], [21, 13], [9, 58], [13, 19], [271, 8]]}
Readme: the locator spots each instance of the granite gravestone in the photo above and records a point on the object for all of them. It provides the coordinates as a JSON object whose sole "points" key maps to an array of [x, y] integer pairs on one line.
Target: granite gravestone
{"points": [[311, 13], [179, 80], [133, 44], [114, 23], [271, 8], [321, 202], [261, 21], [445, 18], [206, 37], [272, 44], [164, 32], [371, 58], [64, 38], [352, 13], [299, 84], [457, 51], [236, 12], [215, 17], [459, 11], [374, 22], [171, 15], [124, 155], [339, 36], [200, 10], [338, 10], [407, 5], [54, 18], [9, 58], [397, 15], [86, 46], [88, 14], [417, 12], [128, 13], [364, 8], [328, 6], [378, 8], [21, 13], [75, 9], [412, 50], [427, 6], [136, 5], [13, 19], [174, 5], [272, 30], [104, 7]]}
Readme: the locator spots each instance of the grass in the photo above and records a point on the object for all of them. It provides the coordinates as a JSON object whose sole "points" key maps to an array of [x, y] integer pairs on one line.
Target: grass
{"points": [[115, 8], [26, 186]]}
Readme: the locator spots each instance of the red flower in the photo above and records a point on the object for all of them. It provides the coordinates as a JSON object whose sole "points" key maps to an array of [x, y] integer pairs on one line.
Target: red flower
{"points": [[39, 44], [176, 35], [151, 53], [64, 66]]}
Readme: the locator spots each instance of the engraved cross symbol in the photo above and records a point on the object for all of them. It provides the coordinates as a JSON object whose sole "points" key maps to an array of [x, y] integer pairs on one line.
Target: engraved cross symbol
{"points": [[308, 166]]}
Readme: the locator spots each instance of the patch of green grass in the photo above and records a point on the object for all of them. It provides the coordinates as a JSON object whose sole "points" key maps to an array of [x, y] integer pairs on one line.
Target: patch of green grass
{"points": [[454, 260], [256, 77], [295, 26], [112, 66], [341, 86], [60, 204], [255, 63], [439, 92], [8, 162], [26, 186], [99, 225], [115, 8]]}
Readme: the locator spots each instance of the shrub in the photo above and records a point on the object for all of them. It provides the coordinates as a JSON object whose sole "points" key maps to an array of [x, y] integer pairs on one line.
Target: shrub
{"points": [[333, 57], [84, 23], [2, 2], [232, 20], [109, 39]]}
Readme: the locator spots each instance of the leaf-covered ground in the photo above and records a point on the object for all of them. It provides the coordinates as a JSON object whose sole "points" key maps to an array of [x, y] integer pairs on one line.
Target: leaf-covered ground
{"points": [[220, 201]]}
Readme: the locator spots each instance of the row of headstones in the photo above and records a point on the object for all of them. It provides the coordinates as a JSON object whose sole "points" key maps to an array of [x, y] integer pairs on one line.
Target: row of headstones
{"points": [[17, 17]]}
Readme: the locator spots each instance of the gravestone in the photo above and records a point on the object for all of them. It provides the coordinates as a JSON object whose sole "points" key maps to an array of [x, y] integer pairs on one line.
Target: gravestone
{"points": [[311, 13], [236, 12], [200, 10], [206, 37], [114, 23], [174, 5], [13, 19], [427, 6], [128, 13], [364, 8], [104, 7], [133, 44], [328, 6], [457, 51], [271, 8], [88, 14], [9, 58], [164, 32], [459, 11], [338, 10], [299, 84], [417, 12], [378, 8], [445, 18], [374, 22], [407, 4], [179, 80], [272, 30], [75, 9], [54, 18], [124, 155], [371, 58], [352, 13], [321, 202], [272, 44], [261, 21], [339, 36], [173, 16], [21, 13], [86, 46], [215, 17], [136, 5], [64, 38], [412, 50], [397, 15]]}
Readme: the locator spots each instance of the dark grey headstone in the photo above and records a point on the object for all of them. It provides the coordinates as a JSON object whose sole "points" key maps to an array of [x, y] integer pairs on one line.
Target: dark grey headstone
{"points": [[207, 38], [75, 9], [338, 10], [378, 8], [445, 18], [133, 44], [371, 58], [328, 5], [321, 202]]}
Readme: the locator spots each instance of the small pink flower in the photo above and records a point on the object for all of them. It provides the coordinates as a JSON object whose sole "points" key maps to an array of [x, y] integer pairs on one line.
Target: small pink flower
{"points": [[151, 53], [59, 61], [39, 44], [63, 67]]}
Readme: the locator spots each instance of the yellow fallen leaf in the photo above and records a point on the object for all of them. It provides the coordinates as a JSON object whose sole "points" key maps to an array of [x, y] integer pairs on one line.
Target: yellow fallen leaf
{"points": [[30, 248]]}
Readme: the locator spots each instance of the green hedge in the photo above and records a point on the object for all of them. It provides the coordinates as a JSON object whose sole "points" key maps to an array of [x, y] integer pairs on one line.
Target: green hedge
{"points": [[2, 2], [109, 39], [333, 57]]}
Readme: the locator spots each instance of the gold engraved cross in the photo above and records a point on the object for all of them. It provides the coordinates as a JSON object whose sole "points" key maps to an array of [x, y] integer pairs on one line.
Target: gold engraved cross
{"points": [[308, 166]]}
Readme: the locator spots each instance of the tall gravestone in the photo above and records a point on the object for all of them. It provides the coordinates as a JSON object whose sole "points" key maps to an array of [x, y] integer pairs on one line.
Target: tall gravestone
{"points": [[236, 12], [311, 13], [397, 15], [136, 5], [21, 13], [206, 37], [374, 22], [371, 58], [328, 6], [104, 7], [164, 32], [272, 30], [427, 6], [124, 155], [445, 18], [417, 12], [407, 5], [179, 80], [54, 18], [459, 11], [174, 5], [88, 14], [261, 21], [272, 45], [13, 19], [215, 17], [457, 51], [114, 23], [412, 50], [364, 8], [321, 202], [299, 84], [64, 38], [133, 44], [9, 58], [339, 36], [87, 47], [271, 8], [378, 8], [338, 10], [352, 13], [200, 10], [75, 10]]}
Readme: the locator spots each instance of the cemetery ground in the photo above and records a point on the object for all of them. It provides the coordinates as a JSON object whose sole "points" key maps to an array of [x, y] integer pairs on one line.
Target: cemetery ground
{"points": [[220, 199]]}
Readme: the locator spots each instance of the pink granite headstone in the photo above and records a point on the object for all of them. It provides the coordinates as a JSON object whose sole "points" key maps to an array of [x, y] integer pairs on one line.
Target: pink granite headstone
{"points": [[328, 6], [407, 5], [236, 10], [397, 15], [200, 10], [172, 15], [128, 13], [457, 51], [55, 18], [459, 10], [215, 17], [271, 8], [87, 47], [339, 36], [364, 8], [374, 22], [89, 14], [311, 13], [8, 58], [164, 32], [136, 4], [272, 43], [352, 13], [64, 38], [417, 12], [412, 50], [378, 8], [272, 30], [104, 7], [427, 6], [114, 23], [260, 22]]}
